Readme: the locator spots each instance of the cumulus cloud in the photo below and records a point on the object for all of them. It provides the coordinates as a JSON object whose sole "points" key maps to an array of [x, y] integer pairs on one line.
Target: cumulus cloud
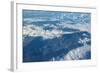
{"points": [[34, 31]]}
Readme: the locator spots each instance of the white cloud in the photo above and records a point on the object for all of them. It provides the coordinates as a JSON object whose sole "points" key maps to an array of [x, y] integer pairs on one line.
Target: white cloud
{"points": [[81, 27], [34, 31]]}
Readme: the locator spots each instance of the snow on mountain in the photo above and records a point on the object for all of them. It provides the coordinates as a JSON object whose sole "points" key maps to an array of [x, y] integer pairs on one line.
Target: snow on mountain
{"points": [[75, 46], [78, 53]]}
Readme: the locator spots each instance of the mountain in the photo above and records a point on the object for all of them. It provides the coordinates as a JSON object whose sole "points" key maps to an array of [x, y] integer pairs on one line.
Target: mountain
{"points": [[56, 35], [39, 49]]}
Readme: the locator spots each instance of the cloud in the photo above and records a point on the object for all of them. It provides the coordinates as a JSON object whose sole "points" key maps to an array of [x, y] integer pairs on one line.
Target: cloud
{"points": [[81, 27], [34, 31], [55, 31]]}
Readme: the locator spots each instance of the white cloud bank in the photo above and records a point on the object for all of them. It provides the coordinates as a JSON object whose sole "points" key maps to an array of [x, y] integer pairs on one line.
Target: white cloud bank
{"points": [[81, 27], [34, 31]]}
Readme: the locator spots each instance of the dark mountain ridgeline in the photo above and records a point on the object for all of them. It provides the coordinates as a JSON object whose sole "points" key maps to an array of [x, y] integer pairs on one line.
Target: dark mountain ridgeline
{"points": [[40, 49]]}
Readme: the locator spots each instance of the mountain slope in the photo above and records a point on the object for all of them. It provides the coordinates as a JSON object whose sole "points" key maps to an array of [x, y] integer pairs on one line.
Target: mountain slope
{"points": [[40, 49]]}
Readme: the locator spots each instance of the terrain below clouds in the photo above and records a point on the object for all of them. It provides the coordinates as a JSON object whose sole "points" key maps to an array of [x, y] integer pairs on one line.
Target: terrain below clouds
{"points": [[56, 36]]}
